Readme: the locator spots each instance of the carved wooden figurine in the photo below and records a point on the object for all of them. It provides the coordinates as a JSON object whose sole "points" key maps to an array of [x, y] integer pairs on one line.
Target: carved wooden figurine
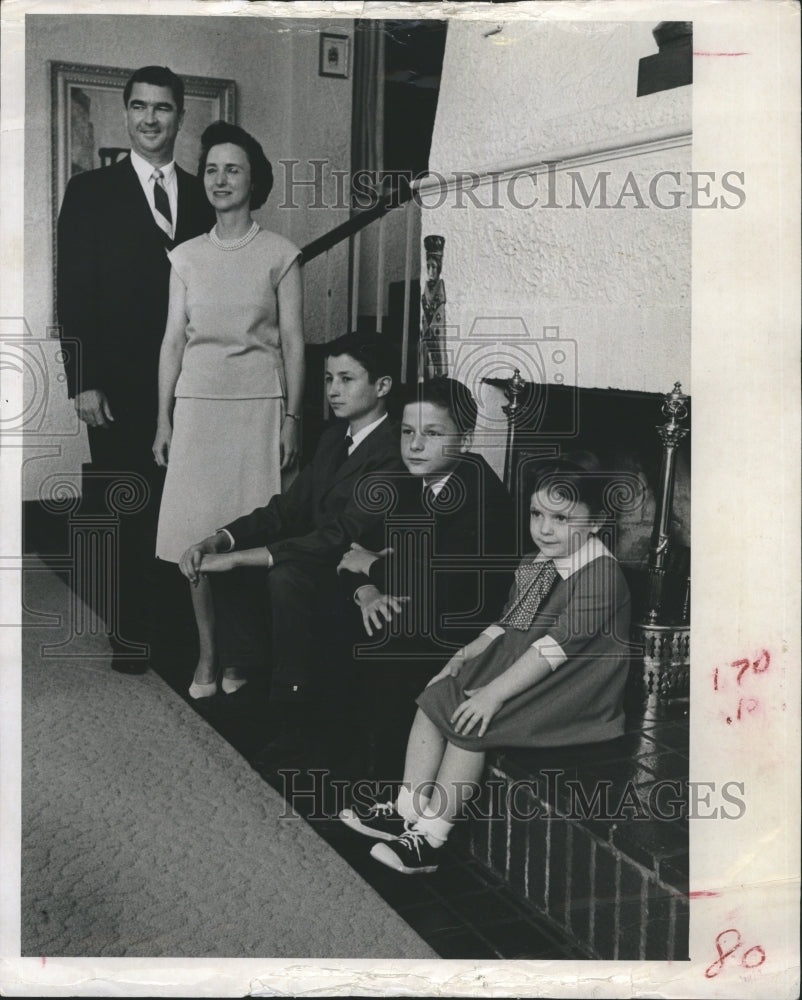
{"points": [[432, 353]]}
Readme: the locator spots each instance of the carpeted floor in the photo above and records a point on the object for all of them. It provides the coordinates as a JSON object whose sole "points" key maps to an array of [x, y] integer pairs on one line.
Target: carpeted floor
{"points": [[145, 834]]}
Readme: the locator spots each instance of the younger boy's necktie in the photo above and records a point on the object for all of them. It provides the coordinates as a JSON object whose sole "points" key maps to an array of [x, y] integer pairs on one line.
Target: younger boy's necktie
{"points": [[533, 581]]}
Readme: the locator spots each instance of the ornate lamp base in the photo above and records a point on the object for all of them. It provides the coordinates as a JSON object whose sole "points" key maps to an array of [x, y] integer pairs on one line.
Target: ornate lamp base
{"points": [[666, 660]]}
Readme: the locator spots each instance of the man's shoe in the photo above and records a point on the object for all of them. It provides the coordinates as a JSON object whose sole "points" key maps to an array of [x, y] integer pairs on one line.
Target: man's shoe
{"points": [[411, 854], [127, 665], [380, 821]]}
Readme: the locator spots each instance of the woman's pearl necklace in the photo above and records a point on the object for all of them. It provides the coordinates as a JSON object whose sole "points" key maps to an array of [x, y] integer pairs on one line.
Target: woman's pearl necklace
{"points": [[241, 241]]}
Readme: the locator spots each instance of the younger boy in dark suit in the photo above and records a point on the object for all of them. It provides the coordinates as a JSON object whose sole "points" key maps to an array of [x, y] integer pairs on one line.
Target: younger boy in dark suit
{"points": [[278, 562], [442, 567]]}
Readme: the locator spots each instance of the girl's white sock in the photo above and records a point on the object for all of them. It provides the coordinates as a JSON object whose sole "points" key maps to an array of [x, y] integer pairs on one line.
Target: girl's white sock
{"points": [[434, 828], [406, 804]]}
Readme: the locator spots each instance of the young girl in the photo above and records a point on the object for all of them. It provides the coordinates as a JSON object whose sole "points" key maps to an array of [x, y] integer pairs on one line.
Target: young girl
{"points": [[552, 672]]}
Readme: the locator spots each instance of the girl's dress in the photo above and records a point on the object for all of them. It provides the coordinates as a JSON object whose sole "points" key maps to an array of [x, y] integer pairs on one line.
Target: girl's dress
{"points": [[582, 628], [224, 456]]}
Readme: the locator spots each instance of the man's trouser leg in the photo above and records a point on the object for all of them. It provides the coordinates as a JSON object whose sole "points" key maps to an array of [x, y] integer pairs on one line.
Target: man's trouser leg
{"points": [[131, 486]]}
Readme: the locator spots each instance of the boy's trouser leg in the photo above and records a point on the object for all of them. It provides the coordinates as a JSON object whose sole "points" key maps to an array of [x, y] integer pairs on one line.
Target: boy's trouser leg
{"points": [[240, 598], [276, 615], [297, 605]]}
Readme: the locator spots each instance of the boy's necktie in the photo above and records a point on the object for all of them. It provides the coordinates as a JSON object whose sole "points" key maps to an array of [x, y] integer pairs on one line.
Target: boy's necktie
{"points": [[533, 582], [162, 201], [342, 453]]}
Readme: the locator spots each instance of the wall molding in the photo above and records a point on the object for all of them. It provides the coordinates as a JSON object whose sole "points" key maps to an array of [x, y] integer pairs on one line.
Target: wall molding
{"points": [[560, 159]]}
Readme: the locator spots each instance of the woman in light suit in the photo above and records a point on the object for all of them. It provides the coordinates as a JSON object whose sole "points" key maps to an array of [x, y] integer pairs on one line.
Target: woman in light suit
{"points": [[231, 369]]}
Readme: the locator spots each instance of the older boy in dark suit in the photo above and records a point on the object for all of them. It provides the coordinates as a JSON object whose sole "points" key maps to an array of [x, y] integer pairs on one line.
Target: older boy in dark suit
{"points": [[444, 564], [279, 561]]}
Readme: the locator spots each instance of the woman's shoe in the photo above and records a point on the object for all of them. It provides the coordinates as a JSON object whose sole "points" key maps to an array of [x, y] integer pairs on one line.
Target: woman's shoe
{"points": [[231, 685], [197, 691]]}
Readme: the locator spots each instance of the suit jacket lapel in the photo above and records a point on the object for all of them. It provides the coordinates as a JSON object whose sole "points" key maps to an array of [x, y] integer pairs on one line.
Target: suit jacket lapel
{"points": [[183, 212], [364, 450]]}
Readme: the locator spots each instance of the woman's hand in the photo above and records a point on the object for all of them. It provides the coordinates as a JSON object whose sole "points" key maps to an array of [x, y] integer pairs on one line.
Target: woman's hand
{"points": [[479, 707], [289, 443], [452, 668], [161, 444], [220, 562], [376, 606], [359, 560]]}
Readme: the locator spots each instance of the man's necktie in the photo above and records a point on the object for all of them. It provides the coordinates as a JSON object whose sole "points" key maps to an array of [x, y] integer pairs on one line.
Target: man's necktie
{"points": [[342, 453], [160, 199], [533, 581]]}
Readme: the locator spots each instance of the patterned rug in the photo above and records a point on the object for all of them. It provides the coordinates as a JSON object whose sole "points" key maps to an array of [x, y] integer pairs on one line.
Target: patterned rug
{"points": [[145, 834]]}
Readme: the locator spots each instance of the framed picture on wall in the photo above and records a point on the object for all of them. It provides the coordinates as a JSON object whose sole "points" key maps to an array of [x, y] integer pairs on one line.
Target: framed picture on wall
{"points": [[88, 127], [333, 55]]}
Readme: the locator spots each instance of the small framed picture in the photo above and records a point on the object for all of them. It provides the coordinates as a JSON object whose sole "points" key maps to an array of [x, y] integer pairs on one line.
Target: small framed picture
{"points": [[333, 55]]}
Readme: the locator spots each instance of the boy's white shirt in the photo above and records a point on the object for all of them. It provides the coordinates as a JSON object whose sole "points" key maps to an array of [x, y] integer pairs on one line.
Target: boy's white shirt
{"points": [[359, 437], [566, 566], [437, 484]]}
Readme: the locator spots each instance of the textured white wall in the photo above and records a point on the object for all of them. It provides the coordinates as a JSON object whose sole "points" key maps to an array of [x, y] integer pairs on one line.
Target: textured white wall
{"points": [[615, 283], [280, 99]]}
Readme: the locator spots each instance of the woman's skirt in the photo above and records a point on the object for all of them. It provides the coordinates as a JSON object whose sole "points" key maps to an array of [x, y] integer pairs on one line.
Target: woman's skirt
{"points": [[224, 461]]}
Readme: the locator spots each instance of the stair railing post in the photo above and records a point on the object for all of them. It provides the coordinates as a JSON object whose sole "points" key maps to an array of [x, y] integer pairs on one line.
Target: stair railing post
{"points": [[671, 433], [380, 277], [356, 246], [665, 645], [407, 288]]}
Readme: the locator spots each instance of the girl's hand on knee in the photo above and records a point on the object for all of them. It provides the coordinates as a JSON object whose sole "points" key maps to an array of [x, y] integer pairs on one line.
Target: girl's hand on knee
{"points": [[479, 708], [451, 669]]}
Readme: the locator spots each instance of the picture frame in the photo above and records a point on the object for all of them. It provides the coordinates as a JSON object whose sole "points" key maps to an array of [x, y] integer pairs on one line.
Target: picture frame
{"points": [[88, 125], [334, 55]]}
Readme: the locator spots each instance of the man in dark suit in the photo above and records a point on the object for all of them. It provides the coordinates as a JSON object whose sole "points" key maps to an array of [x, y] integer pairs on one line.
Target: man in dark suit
{"points": [[279, 561], [115, 227], [440, 568]]}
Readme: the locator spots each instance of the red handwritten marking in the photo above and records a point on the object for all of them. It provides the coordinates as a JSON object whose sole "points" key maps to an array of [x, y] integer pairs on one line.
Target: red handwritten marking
{"points": [[743, 664], [750, 704], [721, 53], [761, 957], [724, 953], [44, 961], [713, 970], [702, 894]]}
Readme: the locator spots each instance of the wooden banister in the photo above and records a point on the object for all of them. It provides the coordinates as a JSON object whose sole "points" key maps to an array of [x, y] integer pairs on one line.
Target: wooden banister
{"points": [[397, 197]]}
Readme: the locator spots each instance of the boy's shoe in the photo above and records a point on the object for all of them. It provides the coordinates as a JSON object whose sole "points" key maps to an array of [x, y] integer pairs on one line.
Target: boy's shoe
{"points": [[380, 821], [411, 854]]}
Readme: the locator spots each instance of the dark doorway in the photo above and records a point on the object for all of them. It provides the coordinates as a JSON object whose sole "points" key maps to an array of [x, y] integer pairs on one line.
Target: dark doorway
{"points": [[413, 62]]}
